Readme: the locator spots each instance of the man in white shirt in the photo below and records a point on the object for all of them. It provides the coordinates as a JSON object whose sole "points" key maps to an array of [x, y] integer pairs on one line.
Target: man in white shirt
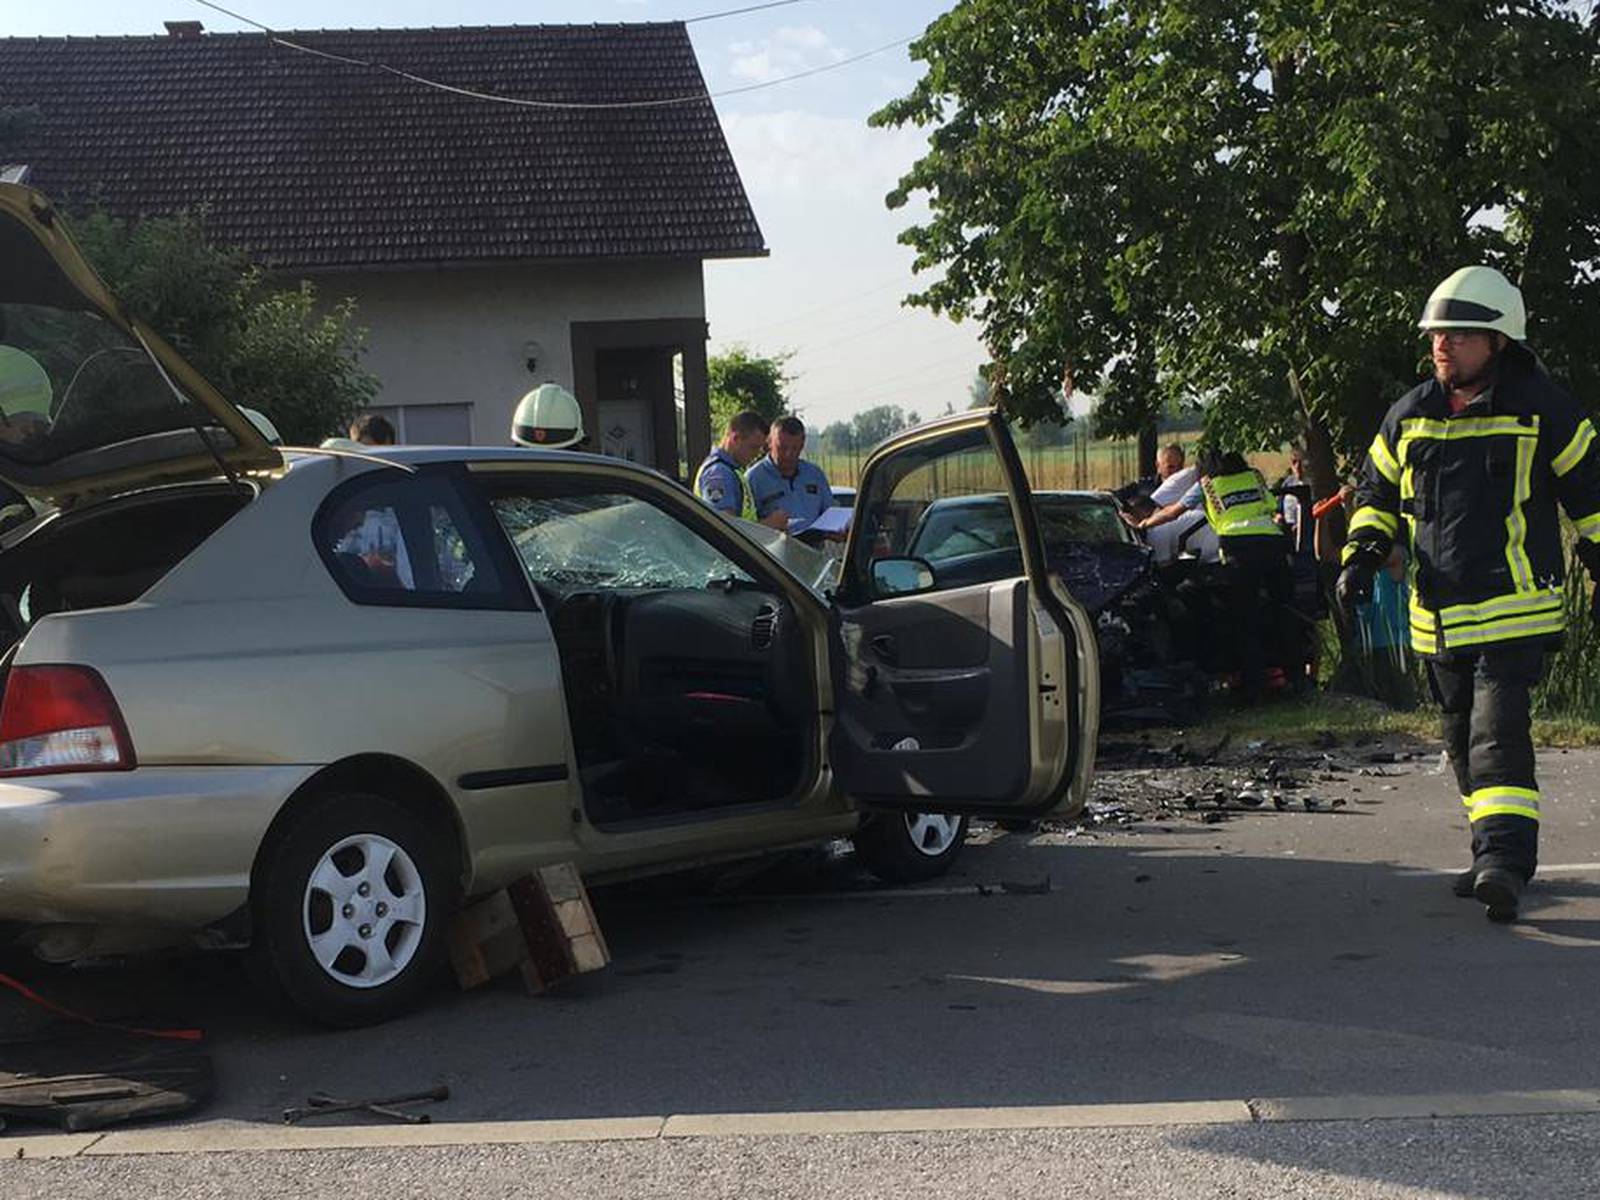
{"points": [[1189, 533]]}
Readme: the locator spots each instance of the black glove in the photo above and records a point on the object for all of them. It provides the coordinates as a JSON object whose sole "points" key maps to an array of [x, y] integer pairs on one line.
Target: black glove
{"points": [[1355, 582]]}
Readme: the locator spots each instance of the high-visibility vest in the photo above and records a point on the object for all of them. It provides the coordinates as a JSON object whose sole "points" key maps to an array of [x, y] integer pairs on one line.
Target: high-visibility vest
{"points": [[1240, 505], [747, 501]]}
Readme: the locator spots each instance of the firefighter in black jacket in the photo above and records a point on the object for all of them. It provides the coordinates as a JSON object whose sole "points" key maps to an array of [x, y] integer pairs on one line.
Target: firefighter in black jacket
{"points": [[1471, 464]]}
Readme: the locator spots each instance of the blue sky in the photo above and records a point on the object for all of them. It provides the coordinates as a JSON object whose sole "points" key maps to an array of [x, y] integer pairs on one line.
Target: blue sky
{"points": [[831, 289]]}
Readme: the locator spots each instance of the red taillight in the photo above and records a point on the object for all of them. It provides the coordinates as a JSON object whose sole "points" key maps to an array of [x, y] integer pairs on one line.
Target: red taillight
{"points": [[59, 718]]}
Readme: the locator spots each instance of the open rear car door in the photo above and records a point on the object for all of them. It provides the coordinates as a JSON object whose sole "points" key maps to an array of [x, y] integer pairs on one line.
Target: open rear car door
{"points": [[975, 698]]}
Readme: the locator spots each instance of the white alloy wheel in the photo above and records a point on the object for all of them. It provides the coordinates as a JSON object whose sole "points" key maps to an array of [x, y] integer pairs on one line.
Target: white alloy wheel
{"points": [[932, 833], [364, 911]]}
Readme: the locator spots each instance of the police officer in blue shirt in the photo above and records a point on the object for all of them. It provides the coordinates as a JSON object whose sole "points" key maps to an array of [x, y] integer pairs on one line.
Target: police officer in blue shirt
{"points": [[784, 482], [720, 482]]}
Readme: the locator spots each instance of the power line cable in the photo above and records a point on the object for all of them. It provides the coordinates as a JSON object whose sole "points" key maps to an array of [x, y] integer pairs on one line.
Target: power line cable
{"points": [[976, 356], [857, 334], [521, 102], [736, 12], [802, 314]]}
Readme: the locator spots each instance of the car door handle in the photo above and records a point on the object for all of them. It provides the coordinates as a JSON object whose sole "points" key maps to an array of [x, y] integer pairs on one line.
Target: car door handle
{"points": [[885, 648]]}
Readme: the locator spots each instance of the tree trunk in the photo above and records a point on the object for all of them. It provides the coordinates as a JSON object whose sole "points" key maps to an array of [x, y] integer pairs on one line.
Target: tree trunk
{"points": [[1147, 448]]}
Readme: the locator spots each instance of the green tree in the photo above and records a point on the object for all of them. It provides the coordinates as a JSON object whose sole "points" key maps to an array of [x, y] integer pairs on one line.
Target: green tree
{"points": [[835, 437], [872, 425], [1243, 205], [740, 379], [980, 392], [263, 347]]}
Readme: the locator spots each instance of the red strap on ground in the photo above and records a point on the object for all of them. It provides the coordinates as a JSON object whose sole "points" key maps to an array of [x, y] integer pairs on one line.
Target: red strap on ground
{"points": [[27, 993]]}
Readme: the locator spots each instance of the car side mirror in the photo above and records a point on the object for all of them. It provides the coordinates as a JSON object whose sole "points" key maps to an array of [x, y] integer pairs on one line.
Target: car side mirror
{"points": [[900, 576]]}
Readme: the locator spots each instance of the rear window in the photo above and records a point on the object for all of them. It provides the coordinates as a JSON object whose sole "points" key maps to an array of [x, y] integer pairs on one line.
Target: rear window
{"points": [[953, 530], [407, 540], [70, 382]]}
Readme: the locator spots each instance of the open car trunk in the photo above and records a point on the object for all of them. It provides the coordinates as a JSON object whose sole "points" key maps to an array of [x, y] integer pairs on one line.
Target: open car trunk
{"points": [[108, 554], [92, 402]]}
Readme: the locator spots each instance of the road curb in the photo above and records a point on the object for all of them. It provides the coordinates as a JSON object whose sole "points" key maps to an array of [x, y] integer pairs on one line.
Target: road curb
{"points": [[950, 1120], [1396, 1108], [264, 1138]]}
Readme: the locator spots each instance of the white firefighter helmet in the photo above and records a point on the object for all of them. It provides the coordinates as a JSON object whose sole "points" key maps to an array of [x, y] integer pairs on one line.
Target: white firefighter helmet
{"points": [[548, 418], [1477, 298]]}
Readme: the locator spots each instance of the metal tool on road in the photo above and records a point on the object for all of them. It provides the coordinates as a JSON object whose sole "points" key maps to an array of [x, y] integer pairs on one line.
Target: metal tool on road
{"points": [[320, 1104]]}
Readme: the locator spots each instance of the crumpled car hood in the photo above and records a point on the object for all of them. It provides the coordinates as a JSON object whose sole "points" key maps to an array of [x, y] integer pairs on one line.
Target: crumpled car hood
{"points": [[1097, 575]]}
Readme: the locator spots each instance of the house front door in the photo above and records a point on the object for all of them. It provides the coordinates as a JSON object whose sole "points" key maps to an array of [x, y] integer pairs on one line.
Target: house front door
{"points": [[635, 406]]}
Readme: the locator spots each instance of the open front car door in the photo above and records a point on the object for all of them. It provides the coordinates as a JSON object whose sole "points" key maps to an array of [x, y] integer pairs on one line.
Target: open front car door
{"points": [[964, 697]]}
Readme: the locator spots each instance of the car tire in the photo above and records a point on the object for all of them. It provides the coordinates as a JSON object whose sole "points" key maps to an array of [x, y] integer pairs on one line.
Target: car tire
{"points": [[909, 847], [350, 909]]}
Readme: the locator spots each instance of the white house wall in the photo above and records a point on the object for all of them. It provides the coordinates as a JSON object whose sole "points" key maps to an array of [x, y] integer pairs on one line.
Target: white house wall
{"points": [[459, 336]]}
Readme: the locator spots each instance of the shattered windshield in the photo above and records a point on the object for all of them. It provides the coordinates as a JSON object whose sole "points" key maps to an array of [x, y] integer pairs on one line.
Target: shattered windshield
{"points": [[579, 543], [816, 569]]}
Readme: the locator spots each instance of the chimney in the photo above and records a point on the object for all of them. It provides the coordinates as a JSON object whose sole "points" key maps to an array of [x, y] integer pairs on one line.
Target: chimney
{"points": [[184, 31]]}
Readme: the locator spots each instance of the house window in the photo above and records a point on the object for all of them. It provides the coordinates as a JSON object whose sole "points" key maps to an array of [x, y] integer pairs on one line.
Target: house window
{"points": [[436, 424]]}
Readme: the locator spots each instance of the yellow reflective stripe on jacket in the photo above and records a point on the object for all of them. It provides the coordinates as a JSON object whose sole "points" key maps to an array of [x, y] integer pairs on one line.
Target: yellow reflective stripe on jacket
{"points": [[1465, 427], [1576, 449], [1425, 639], [1368, 517], [1517, 522], [1383, 458], [1589, 527], [1503, 801], [1426, 428], [1501, 606]]}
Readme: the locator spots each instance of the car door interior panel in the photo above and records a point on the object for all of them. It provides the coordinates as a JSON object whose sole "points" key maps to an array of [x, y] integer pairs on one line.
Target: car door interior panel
{"points": [[682, 700], [933, 695]]}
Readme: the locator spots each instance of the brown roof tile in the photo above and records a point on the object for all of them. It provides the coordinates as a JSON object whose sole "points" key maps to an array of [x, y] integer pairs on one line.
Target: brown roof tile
{"points": [[310, 164]]}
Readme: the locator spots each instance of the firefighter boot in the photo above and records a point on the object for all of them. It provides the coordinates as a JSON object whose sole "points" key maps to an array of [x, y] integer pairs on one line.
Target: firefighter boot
{"points": [[1499, 890], [1464, 883]]}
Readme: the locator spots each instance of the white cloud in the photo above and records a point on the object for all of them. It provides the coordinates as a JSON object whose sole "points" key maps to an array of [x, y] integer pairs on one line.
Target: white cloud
{"points": [[792, 49], [804, 153]]}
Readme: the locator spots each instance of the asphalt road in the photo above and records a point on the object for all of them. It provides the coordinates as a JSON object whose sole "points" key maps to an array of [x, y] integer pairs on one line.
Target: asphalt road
{"points": [[1289, 955]]}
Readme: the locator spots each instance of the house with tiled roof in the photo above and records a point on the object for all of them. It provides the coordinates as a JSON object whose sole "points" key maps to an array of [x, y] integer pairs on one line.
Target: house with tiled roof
{"points": [[555, 231]]}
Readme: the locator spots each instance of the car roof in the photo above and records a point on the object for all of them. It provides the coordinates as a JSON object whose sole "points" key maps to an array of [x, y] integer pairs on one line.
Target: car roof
{"points": [[1097, 497], [420, 455], [423, 456]]}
